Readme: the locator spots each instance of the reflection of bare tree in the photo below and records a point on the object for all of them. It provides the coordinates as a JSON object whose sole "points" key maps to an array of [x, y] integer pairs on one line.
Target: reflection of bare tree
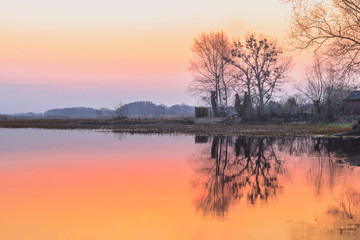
{"points": [[341, 220], [347, 208], [324, 167], [319, 147], [325, 156], [217, 198], [261, 171], [322, 174], [229, 169], [120, 136], [227, 172]]}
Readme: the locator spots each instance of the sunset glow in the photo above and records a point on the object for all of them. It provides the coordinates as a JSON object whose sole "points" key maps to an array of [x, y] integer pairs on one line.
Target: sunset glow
{"points": [[141, 47], [92, 185], [179, 119]]}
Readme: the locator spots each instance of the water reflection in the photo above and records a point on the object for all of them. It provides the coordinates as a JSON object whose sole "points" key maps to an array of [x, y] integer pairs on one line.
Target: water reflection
{"points": [[138, 188], [341, 220], [319, 147], [230, 170], [329, 157]]}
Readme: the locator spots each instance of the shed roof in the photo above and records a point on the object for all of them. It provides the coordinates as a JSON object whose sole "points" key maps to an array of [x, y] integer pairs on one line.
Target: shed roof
{"points": [[354, 95]]}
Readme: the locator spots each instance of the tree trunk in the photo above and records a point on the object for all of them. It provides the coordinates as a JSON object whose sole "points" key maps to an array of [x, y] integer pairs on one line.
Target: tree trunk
{"points": [[261, 106], [225, 88], [213, 103]]}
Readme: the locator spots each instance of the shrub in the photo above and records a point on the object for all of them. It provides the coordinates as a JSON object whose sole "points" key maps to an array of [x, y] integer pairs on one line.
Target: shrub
{"points": [[201, 112]]}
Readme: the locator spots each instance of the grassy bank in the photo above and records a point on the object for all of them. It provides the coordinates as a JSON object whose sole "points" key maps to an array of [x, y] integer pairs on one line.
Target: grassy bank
{"points": [[185, 126]]}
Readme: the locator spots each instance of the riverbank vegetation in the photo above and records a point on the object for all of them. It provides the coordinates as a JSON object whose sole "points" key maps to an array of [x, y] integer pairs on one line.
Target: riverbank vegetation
{"points": [[181, 126]]}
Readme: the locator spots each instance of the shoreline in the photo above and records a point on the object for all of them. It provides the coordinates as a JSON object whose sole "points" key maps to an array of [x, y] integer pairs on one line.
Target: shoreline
{"points": [[183, 126]]}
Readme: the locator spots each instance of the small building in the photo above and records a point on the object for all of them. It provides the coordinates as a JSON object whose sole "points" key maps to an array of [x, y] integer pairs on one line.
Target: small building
{"points": [[352, 103]]}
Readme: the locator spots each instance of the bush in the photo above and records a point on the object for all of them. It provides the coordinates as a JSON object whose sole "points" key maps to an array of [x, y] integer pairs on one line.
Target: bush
{"points": [[201, 139], [355, 125], [201, 112]]}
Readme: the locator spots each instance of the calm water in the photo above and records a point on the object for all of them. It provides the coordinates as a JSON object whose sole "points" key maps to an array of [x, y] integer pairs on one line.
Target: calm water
{"points": [[95, 185]]}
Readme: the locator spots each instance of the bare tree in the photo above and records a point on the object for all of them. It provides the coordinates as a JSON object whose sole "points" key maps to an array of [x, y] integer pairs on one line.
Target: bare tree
{"points": [[329, 25], [211, 71], [263, 65], [313, 87], [326, 87], [119, 109]]}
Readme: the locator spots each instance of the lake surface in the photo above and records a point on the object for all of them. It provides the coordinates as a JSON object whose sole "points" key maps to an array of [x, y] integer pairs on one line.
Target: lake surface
{"points": [[95, 185]]}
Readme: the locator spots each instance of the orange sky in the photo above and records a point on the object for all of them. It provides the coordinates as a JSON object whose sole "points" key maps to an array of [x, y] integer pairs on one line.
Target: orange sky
{"points": [[135, 50]]}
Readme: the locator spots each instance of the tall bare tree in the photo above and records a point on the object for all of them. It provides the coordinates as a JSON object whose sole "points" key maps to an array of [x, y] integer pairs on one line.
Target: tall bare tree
{"points": [[325, 86], [263, 65], [314, 86], [210, 68], [329, 25]]}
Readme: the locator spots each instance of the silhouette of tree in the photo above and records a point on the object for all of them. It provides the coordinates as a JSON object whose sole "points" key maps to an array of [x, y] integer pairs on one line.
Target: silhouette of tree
{"points": [[326, 87], [212, 72], [331, 26], [237, 105], [248, 110], [263, 63]]}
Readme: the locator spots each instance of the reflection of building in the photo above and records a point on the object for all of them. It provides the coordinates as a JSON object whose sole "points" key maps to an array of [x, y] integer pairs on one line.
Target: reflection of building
{"points": [[352, 103]]}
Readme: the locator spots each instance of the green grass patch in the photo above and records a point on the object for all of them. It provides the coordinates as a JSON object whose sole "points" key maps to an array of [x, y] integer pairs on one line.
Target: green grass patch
{"points": [[339, 125]]}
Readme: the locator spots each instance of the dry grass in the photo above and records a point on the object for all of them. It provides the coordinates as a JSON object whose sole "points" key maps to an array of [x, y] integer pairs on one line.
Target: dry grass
{"points": [[179, 126]]}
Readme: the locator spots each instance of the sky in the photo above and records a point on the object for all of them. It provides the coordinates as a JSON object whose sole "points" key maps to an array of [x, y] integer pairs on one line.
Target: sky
{"points": [[73, 53]]}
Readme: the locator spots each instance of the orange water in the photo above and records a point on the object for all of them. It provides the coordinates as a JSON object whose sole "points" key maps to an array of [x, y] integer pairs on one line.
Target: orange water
{"points": [[94, 185]]}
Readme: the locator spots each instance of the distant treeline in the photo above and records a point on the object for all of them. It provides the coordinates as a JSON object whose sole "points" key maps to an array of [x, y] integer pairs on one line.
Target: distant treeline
{"points": [[134, 109], [146, 108]]}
